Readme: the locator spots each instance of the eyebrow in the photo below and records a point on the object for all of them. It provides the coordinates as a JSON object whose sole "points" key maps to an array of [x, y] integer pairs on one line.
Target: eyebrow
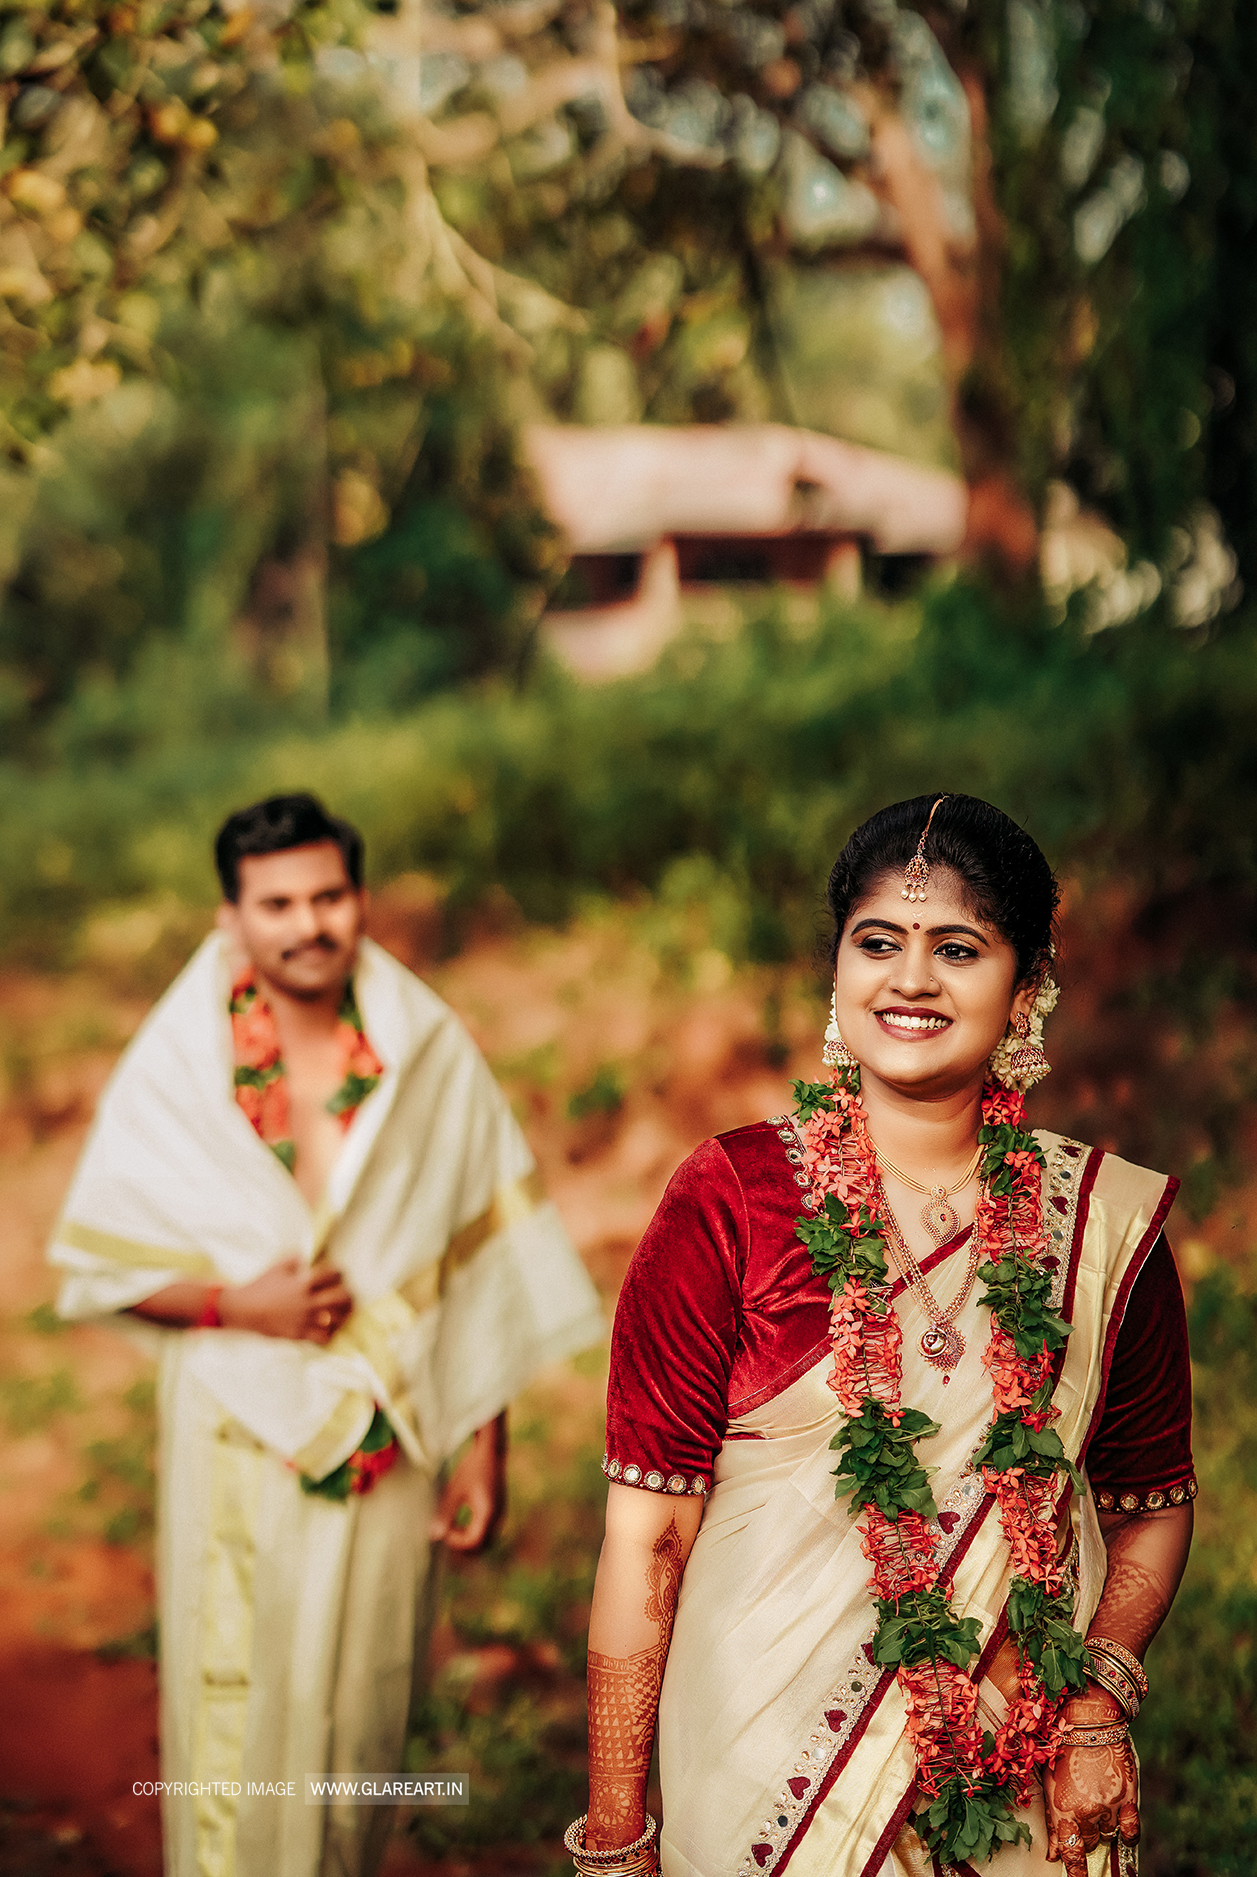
{"points": [[934, 931]]}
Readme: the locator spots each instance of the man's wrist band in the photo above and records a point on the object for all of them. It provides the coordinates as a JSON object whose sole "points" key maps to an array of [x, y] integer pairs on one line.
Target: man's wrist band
{"points": [[638, 1859], [209, 1318]]}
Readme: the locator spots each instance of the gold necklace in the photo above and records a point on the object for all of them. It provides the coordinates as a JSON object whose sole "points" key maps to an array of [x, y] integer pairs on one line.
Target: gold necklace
{"points": [[938, 1215], [941, 1344]]}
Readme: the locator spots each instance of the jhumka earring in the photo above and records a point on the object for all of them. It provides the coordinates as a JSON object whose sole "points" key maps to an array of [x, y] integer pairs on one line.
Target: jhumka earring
{"points": [[916, 875], [835, 1053], [1028, 1062]]}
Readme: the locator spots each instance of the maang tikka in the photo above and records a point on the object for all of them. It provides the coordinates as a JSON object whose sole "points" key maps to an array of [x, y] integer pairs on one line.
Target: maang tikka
{"points": [[916, 875]]}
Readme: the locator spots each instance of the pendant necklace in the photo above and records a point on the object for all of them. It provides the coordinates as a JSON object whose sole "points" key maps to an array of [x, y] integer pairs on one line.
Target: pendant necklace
{"points": [[938, 1215], [941, 1343]]}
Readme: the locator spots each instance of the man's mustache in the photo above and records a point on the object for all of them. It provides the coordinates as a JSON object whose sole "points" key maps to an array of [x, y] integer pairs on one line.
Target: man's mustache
{"points": [[323, 943]]}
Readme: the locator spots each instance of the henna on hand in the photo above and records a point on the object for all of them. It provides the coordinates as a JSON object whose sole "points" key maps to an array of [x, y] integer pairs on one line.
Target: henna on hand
{"points": [[1090, 1793], [624, 1706]]}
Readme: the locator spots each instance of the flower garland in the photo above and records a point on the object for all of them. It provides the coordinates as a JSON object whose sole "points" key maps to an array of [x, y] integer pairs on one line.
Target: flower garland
{"points": [[261, 1083], [970, 1782], [261, 1088]]}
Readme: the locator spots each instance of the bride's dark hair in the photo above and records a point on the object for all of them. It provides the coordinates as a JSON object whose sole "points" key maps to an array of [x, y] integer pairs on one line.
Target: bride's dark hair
{"points": [[1006, 880]]}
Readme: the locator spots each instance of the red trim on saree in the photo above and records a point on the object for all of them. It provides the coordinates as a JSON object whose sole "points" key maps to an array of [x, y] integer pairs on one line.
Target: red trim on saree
{"points": [[1064, 1227]]}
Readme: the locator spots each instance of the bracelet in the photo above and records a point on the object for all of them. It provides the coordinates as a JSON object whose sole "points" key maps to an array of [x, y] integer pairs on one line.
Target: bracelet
{"points": [[1115, 1681], [639, 1859], [1083, 1736], [1119, 1654], [209, 1318]]}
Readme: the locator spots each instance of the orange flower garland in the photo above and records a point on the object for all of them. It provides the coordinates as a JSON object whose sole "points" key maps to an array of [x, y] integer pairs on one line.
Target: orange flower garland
{"points": [[261, 1091], [974, 1787], [261, 1085]]}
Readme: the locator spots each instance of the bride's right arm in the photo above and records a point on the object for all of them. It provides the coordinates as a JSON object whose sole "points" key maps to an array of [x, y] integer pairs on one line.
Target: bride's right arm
{"points": [[648, 1540]]}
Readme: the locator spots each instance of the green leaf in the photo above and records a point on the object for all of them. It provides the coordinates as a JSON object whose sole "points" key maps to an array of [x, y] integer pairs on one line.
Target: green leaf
{"points": [[811, 1096]]}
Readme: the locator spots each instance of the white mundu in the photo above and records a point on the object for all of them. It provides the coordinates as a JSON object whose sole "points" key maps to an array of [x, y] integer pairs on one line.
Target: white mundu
{"points": [[291, 1625]]}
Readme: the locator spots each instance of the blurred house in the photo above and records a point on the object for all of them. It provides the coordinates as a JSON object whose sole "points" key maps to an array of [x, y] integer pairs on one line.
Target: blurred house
{"points": [[652, 509]]}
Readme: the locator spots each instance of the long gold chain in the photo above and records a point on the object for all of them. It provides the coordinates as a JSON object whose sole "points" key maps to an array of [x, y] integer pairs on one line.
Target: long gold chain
{"points": [[942, 1343]]}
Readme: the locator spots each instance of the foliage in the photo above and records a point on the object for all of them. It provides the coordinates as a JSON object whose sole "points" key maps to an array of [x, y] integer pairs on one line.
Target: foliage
{"points": [[1000, 1139], [973, 1828], [1132, 371], [922, 1627], [1018, 1291], [218, 260], [876, 1464], [1042, 1620], [836, 1252]]}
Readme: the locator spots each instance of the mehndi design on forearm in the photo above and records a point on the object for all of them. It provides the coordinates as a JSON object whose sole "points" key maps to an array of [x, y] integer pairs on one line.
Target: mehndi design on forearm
{"points": [[624, 1702], [1146, 1560]]}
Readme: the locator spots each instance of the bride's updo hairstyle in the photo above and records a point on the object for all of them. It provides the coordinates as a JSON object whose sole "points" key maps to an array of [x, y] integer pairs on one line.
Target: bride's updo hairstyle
{"points": [[1007, 882]]}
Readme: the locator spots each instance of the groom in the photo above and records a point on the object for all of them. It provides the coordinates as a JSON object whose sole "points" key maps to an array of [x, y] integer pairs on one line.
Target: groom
{"points": [[305, 1182]]}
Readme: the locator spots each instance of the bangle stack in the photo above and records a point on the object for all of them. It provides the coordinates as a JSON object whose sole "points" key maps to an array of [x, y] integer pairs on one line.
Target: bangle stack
{"points": [[639, 1859], [1119, 1672]]}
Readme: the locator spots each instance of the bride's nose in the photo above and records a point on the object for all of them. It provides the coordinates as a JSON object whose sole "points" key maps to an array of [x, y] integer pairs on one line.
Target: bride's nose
{"points": [[914, 972]]}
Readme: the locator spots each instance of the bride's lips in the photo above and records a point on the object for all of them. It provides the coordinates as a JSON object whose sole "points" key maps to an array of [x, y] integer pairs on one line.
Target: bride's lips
{"points": [[912, 1024]]}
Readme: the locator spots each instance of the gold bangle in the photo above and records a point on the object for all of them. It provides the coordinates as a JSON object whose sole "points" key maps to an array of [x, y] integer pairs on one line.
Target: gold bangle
{"points": [[628, 1860], [1114, 1681], [1119, 1654], [1113, 1736]]}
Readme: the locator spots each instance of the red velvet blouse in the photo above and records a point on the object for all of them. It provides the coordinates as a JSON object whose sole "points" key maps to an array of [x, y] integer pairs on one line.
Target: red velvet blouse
{"points": [[720, 1311]]}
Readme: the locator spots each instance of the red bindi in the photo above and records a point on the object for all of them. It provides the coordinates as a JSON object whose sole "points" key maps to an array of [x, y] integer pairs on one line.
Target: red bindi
{"points": [[916, 925]]}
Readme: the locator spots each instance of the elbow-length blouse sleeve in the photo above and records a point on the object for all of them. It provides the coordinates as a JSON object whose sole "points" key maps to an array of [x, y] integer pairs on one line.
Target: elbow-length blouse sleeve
{"points": [[1139, 1458], [676, 1332]]}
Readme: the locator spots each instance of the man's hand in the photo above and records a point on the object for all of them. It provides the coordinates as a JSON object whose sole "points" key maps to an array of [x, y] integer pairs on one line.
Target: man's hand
{"points": [[1092, 1792], [291, 1300], [474, 1499]]}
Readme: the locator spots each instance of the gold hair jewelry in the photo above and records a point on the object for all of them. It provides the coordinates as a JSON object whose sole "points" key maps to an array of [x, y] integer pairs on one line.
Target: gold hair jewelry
{"points": [[941, 1344], [938, 1215], [916, 875]]}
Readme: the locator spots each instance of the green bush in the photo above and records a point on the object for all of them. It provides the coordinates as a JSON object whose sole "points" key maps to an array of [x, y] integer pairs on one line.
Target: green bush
{"points": [[726, 778]]}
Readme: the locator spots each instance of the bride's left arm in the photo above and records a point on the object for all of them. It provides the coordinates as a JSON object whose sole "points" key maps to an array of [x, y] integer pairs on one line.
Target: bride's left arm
{"points": [[1092, 1792]]}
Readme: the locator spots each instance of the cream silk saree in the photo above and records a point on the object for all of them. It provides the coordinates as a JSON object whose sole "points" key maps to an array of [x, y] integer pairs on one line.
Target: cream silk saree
{"points": [[782, 1745]]}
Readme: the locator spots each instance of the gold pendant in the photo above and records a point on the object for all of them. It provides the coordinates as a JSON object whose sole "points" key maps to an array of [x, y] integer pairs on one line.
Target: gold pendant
{"points": [[939, 1216], [943, 1345]]}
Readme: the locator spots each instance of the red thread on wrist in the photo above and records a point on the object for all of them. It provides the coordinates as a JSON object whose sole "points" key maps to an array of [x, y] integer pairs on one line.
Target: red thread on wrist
{"points": [[209, 1318]]}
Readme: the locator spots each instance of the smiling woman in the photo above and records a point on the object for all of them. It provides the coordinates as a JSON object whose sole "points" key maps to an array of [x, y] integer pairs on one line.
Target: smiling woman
{"points": [[793, 1297]]}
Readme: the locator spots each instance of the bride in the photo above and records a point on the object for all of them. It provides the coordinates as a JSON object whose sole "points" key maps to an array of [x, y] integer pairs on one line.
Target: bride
{"points": [[898, 1414]]}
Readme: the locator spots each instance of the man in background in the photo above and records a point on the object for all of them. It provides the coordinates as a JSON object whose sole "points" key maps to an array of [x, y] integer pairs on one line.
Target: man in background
{"points": [[306, 1184]]}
